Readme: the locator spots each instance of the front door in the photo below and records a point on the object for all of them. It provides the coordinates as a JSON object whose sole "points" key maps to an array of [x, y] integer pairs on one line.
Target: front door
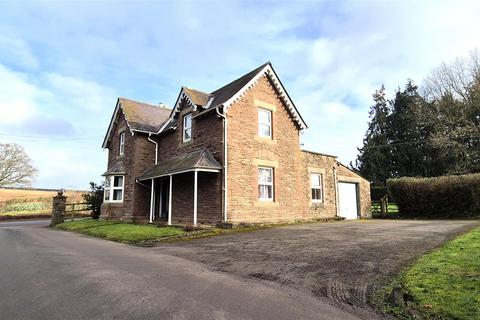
{"points": [[164, 199]]}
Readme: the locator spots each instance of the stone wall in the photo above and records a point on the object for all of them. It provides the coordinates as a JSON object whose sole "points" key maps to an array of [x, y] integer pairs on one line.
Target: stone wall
{"points": [[139, 156], [247, 151]]}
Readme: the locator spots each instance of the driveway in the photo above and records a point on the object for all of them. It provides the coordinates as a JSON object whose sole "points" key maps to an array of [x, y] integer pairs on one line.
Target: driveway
{"points": [[50, 274], [341, 263]]}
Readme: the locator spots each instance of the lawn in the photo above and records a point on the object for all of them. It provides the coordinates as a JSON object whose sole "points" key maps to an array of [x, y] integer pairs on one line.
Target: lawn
{"points": [[121, 232], [445, 284]]}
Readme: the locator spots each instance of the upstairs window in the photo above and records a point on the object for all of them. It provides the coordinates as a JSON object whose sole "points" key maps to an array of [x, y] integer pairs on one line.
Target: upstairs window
{"points": [[264, 123], [121, 150], [317, 192], [187, 127], [113, 191], [265, 184]]}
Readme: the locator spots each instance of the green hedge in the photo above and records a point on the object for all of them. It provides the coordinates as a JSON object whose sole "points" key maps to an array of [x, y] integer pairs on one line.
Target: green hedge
{"points": [[378, 191], [448, 197]]}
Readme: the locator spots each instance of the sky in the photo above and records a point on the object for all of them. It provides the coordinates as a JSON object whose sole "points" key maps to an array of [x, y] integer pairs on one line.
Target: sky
{"points": [[64, 63]]}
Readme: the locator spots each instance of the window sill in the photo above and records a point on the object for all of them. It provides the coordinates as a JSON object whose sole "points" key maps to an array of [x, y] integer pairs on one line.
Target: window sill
{"points": [[265, 140]]}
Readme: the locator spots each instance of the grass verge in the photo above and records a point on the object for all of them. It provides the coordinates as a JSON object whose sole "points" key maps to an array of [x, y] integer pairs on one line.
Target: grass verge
{"points": [[444, 284], [120, 232]]}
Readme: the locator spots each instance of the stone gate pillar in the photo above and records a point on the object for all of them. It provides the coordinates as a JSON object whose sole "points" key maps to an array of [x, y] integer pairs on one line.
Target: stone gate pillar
{"points": [[58, 208]]}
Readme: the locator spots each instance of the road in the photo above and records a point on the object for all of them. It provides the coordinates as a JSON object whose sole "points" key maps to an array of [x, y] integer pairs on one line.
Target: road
{"points": [[49, 274]]}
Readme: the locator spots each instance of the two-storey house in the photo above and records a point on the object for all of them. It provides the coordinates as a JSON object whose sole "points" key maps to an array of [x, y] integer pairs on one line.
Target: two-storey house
{"points": [[232, 155]]}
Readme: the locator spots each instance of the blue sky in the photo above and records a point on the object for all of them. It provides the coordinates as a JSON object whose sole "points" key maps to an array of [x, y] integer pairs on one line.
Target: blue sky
{"points": [[63, 64]]}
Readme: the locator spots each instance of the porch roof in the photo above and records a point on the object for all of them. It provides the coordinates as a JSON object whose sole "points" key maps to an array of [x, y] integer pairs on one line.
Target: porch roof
{"points": [[117, 168], [199, 160]]}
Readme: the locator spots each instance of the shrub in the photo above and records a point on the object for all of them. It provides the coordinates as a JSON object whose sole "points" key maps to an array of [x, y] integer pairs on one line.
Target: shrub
{"points": [[378, 191], [442, 197], [94, 199]]}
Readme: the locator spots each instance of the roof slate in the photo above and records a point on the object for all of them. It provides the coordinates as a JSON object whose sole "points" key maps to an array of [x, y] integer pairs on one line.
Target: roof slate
{"points": [[143, 116], [197, 97], [199, 159], [117, 168]]}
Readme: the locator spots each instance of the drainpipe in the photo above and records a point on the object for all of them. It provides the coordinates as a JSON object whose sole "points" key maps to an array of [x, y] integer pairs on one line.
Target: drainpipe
{"points": [[156, 147], [335, 184], [225, 164]]}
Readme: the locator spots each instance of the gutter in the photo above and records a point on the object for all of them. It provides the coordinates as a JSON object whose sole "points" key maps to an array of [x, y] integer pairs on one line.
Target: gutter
{"points": [[335, 182], [156, 147], [225, 162]]}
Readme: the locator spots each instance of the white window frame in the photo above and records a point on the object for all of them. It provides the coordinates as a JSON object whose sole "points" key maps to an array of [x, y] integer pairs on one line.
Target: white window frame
{"points": [[316, 187], [110, 190], [121, 147], [185, 128], [269, 124], [271, 184]]}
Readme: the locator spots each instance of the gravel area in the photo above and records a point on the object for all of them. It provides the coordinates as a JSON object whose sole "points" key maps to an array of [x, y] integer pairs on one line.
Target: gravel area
{"points": [[342, 263]]}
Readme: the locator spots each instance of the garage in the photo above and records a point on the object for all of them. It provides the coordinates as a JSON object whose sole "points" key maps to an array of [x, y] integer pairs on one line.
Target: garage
{"points": [[348, 200]]}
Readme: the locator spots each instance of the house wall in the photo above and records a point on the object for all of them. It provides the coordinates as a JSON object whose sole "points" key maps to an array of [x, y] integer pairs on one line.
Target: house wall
{"points": [[292, 167], [327, 165], [207, 132], [139, 155], [247, 151]]}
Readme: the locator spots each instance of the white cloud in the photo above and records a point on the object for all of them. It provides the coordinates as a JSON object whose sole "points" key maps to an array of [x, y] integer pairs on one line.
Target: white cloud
{"points": [[17, 97]]}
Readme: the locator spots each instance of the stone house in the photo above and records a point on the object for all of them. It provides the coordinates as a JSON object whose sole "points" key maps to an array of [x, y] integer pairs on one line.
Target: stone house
{"points": [[232, 155]]}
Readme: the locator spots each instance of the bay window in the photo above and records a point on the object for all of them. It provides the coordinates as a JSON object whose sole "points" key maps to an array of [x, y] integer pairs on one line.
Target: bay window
{"points": [[113, 190]]}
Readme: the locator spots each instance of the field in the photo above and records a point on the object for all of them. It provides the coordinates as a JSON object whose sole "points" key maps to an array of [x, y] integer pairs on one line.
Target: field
{"points": [[31, 202]]}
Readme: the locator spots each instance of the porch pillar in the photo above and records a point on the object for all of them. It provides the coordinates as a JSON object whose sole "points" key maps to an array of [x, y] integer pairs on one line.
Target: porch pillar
{"points": [[195, 187], [170, 202], [152, 200]]}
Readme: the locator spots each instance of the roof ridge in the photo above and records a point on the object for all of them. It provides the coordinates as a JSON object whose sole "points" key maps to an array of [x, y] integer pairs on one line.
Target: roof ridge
{"points": [[255, 71], [162, 106]]}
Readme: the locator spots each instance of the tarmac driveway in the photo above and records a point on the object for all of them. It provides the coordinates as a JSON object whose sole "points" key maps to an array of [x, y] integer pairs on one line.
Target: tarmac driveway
{"points": [[339, 262]]}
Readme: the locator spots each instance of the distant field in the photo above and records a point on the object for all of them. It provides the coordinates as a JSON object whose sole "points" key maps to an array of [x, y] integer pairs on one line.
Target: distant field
{"points": [[26, 202]]}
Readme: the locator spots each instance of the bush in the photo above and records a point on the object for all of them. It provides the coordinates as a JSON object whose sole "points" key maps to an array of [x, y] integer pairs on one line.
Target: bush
{"points": [[94, 199], [378, 191], [448, 197]]}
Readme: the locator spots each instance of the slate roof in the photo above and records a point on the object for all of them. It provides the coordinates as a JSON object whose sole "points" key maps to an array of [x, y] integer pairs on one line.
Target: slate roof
{"points": [[199, 159], [117, 168], [226, 92], [197, 97], [143, 116]]}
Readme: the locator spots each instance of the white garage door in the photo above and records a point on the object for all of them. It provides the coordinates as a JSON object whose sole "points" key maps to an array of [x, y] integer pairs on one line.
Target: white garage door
{"points": [[347, 194]]}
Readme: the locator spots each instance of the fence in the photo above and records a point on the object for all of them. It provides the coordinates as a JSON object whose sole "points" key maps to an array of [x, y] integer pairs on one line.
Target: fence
{"points": [[384, 208], [74, 207]]}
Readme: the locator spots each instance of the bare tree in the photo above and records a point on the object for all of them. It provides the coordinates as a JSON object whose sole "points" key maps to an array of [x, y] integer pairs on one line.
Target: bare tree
{"points": [[16, 169], [453, 79]]}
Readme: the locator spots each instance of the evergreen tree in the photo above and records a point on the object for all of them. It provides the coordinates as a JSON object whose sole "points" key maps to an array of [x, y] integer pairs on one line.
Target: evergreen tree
{"points": [[374, 159]]}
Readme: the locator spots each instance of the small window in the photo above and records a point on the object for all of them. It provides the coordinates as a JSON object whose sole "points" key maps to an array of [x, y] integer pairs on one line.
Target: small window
{"points": [[317, 191], [187, 127], [122, 143], [113, 191], [265, 184], [264, 123]]}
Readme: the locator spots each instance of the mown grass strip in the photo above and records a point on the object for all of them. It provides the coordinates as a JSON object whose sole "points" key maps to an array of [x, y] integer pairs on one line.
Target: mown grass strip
{"points": [[119, 231], [445, 284]]}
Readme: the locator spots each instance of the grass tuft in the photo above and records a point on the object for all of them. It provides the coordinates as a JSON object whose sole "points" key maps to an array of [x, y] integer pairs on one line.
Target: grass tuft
{"points": [[444, 284]]}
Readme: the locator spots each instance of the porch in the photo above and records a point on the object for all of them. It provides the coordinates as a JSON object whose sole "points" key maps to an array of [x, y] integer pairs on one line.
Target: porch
{"points": [[185, 189]]}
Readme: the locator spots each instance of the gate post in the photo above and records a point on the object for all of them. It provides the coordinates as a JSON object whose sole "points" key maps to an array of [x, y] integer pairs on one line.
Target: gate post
{"points": [[58, 208]]}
